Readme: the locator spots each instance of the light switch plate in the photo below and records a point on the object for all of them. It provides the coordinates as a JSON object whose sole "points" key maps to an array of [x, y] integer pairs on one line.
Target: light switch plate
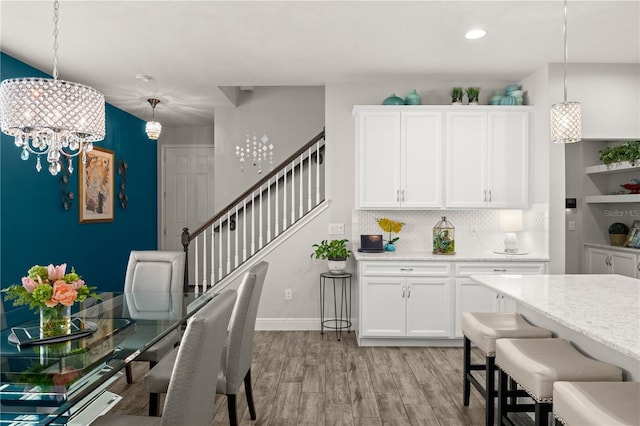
{"points": [[336, 229]]}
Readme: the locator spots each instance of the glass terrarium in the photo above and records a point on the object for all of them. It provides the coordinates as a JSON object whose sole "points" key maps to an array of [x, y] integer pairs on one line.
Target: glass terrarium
{"points": [[444, 234]]}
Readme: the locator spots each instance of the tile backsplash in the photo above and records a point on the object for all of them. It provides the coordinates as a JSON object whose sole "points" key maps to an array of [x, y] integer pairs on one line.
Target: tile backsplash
{"points": [[477, 231]]}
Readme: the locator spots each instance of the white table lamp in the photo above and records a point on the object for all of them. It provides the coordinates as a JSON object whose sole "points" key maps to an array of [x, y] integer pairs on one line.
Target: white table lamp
{"points": [[510, 223]]}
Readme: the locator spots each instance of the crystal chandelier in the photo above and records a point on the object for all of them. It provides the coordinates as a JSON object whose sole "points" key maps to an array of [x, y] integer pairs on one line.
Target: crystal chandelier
{"points": [[153, 128], [255, 151], [566, 117], [50, 116]]}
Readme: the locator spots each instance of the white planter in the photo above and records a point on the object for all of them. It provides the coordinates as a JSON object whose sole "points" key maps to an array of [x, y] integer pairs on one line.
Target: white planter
{"points": [[337, 266]]}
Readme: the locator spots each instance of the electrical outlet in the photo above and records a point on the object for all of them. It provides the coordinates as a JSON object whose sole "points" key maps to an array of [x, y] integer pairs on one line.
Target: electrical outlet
{"points": [[288, 294], [572, 225], [336, 229]]}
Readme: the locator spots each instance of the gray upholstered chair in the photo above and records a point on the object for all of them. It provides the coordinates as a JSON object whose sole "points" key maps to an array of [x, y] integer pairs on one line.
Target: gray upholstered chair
{"points": [[152, 285], [192, 386], [236, 358]]}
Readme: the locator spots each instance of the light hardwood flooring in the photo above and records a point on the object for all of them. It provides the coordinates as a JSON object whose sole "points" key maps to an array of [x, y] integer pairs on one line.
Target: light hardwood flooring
{"points": [[305, 378]]}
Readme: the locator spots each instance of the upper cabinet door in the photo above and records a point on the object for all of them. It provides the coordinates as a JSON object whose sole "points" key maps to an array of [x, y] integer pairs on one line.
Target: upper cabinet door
{"points": [[378, 159], [466, 175], [421, 166], [508, 159]]}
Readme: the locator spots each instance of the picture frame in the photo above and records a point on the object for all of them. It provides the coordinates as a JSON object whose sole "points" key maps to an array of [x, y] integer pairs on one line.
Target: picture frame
{"points": [[96, 186], [633, 239]]}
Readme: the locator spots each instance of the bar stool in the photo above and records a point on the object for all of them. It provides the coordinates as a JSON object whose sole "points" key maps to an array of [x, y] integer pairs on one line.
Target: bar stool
{"points": [[596, 403], [536, 364], [483, 328]]}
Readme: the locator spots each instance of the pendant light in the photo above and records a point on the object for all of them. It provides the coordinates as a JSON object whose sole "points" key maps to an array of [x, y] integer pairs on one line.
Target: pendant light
{"points": [[52, 117], [566, 117], [153, 128]]}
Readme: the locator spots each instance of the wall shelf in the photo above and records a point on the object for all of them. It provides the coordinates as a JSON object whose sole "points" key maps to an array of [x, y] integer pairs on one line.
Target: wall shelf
{"points": [[622, 198], [612, 168]]}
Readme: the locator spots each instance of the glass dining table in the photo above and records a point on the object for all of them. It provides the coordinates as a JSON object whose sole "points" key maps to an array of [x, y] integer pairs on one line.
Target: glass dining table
{"points": [[53, 382]]}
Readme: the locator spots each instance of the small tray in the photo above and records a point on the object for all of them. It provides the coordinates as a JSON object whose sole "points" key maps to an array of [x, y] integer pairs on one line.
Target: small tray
{"points": [[29, 336]]}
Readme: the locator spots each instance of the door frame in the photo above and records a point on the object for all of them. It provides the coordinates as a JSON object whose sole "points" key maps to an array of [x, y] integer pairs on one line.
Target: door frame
{"points": [[162, 148]]}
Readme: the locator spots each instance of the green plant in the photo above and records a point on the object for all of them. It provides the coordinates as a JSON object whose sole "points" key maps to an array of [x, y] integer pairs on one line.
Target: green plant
{"points": [[618, 228], [473, 93], [629, 151], [456, 94], [331, 250]]}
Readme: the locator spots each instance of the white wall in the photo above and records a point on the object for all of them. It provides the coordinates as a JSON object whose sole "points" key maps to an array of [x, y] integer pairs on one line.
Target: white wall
{"points": [[183, 135]]}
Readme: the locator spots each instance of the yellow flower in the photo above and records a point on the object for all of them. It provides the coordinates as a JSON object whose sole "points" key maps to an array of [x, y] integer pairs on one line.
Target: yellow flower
{"points": [[389, 225]]}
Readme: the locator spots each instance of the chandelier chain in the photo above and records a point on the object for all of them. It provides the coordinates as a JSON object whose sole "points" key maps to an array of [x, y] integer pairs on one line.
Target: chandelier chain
{"points": [[564, 30], [56, 7]]}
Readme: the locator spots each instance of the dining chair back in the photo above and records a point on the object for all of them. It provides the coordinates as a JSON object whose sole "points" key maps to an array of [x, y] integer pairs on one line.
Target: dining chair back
{"points": [[153, 284], [236, 360]]}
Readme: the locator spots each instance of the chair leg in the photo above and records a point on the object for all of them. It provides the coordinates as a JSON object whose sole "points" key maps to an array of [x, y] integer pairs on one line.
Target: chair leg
{"points": [[249, 392], [465, 372], [502, 396], [231, 406], [129, 373], [489, 389], [542, 414], [154, 405]]}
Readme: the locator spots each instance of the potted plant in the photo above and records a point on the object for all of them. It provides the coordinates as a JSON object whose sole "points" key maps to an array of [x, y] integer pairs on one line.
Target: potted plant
{"points": [[629, 151], [618, 233], [472, 95], [456, 95], [335, 252]]}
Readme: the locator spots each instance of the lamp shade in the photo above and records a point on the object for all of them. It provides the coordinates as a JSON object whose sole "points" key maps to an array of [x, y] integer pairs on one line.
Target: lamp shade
{"points": [[565, 124], [511, 220], [153, 129]]}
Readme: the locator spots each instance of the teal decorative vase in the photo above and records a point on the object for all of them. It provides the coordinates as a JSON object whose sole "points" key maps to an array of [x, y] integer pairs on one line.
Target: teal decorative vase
{"points": [[390, 247], [412, 98], [393, 100]]}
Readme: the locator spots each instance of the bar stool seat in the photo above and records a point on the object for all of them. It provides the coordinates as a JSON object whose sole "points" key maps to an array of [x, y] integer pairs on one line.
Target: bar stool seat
{"points": [[483, 328], [536, 364], [597, 403]]}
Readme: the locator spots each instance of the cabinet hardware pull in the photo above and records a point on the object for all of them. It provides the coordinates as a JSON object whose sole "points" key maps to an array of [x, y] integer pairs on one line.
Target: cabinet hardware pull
{"points": [[497, 295], [397, 195], [499, 270], [409, 292], [484, 199], [489, 195], [402, 195], [638, 266], [406, 269], [403, 289]]}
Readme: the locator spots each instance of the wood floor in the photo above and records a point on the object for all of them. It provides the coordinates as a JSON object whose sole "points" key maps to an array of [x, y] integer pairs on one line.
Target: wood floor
{"points": [[305, 378]]}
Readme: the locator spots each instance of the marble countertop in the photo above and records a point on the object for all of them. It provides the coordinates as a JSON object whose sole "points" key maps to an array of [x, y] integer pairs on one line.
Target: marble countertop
{"points": [[605, 308], [610, 247], [458, 257]]}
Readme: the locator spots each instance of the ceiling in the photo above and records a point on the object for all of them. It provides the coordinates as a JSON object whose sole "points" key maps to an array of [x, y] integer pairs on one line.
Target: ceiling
{"points": [[192, 49]]}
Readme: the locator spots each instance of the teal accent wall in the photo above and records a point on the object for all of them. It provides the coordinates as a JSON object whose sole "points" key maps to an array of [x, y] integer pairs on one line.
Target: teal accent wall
{"points": [[34, 227]]}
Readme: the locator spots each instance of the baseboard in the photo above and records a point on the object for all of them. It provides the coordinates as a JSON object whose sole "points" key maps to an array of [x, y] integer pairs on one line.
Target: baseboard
{"points": [[287, 324]]}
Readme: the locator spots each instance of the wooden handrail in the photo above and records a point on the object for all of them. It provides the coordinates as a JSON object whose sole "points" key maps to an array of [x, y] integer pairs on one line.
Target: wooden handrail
{"points": [[265, 179]]}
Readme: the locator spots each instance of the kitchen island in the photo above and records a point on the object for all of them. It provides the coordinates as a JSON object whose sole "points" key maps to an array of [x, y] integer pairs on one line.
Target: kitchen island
{"points": [[599, 314]]}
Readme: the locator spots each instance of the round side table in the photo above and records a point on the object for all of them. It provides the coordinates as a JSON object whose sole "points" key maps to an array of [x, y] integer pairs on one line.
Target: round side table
{"points": [[338, 322]]}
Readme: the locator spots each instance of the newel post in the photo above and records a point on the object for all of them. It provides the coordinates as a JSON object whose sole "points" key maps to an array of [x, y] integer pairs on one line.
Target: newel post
{"points": [[185, 247]]}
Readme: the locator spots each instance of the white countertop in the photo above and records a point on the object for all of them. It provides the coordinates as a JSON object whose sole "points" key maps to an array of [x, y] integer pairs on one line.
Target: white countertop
{"points": [[458, 257], [605, 308]]}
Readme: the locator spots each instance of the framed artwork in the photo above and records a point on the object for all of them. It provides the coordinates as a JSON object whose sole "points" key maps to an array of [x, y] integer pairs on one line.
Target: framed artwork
{"points": [[633, 239], [95, 186]]}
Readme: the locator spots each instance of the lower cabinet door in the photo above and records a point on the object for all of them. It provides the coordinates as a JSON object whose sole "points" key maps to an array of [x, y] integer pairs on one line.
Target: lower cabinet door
{"points": [[623, 264], [429, 302], [473, 297], [383, 307]]}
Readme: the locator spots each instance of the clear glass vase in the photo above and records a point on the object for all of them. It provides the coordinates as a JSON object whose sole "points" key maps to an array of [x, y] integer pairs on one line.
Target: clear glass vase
{"points": [[55, 321], [444, 235]]}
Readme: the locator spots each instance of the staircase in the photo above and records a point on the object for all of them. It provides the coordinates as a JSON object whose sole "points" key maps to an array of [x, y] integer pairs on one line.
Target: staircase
{"points": [[256, 220]]}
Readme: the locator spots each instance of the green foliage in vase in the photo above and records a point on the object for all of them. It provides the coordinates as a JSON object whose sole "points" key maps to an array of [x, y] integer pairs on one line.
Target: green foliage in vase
{"points": [[331, 250], [456, 94], [473, 93], [629, 151]]}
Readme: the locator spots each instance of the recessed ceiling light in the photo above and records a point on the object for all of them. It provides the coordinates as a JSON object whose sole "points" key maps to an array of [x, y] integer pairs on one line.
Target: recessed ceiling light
{"points": [[475, 34]]}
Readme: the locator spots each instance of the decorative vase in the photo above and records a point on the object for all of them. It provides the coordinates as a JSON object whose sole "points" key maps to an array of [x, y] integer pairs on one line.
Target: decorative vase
{"points": [[393, 100], [55, 321], [412, 98], [444, 237], [390, 247]]}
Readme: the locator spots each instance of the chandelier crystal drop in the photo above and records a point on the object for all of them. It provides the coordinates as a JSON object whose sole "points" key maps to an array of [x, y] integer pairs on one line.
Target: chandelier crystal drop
{"points": [[153, 128], [255, 150], [566, 117], [56, 118]]}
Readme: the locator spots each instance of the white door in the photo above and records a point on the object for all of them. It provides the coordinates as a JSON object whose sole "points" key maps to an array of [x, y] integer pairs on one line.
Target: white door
{"points": [[429, 307], [623, 264], [466, 175], [508, 171], [422, 159], [186, 199], [383, 307]]}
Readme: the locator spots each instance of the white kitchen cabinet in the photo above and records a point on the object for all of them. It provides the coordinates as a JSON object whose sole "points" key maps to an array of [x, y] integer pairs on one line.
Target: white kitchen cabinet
{"points": [[487, 159], [411, 299], [612, 261], [399, 159], [474, 297]]}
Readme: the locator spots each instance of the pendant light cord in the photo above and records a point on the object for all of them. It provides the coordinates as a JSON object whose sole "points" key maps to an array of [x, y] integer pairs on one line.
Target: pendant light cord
{"points": [[56, 7], [564, 30]]}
